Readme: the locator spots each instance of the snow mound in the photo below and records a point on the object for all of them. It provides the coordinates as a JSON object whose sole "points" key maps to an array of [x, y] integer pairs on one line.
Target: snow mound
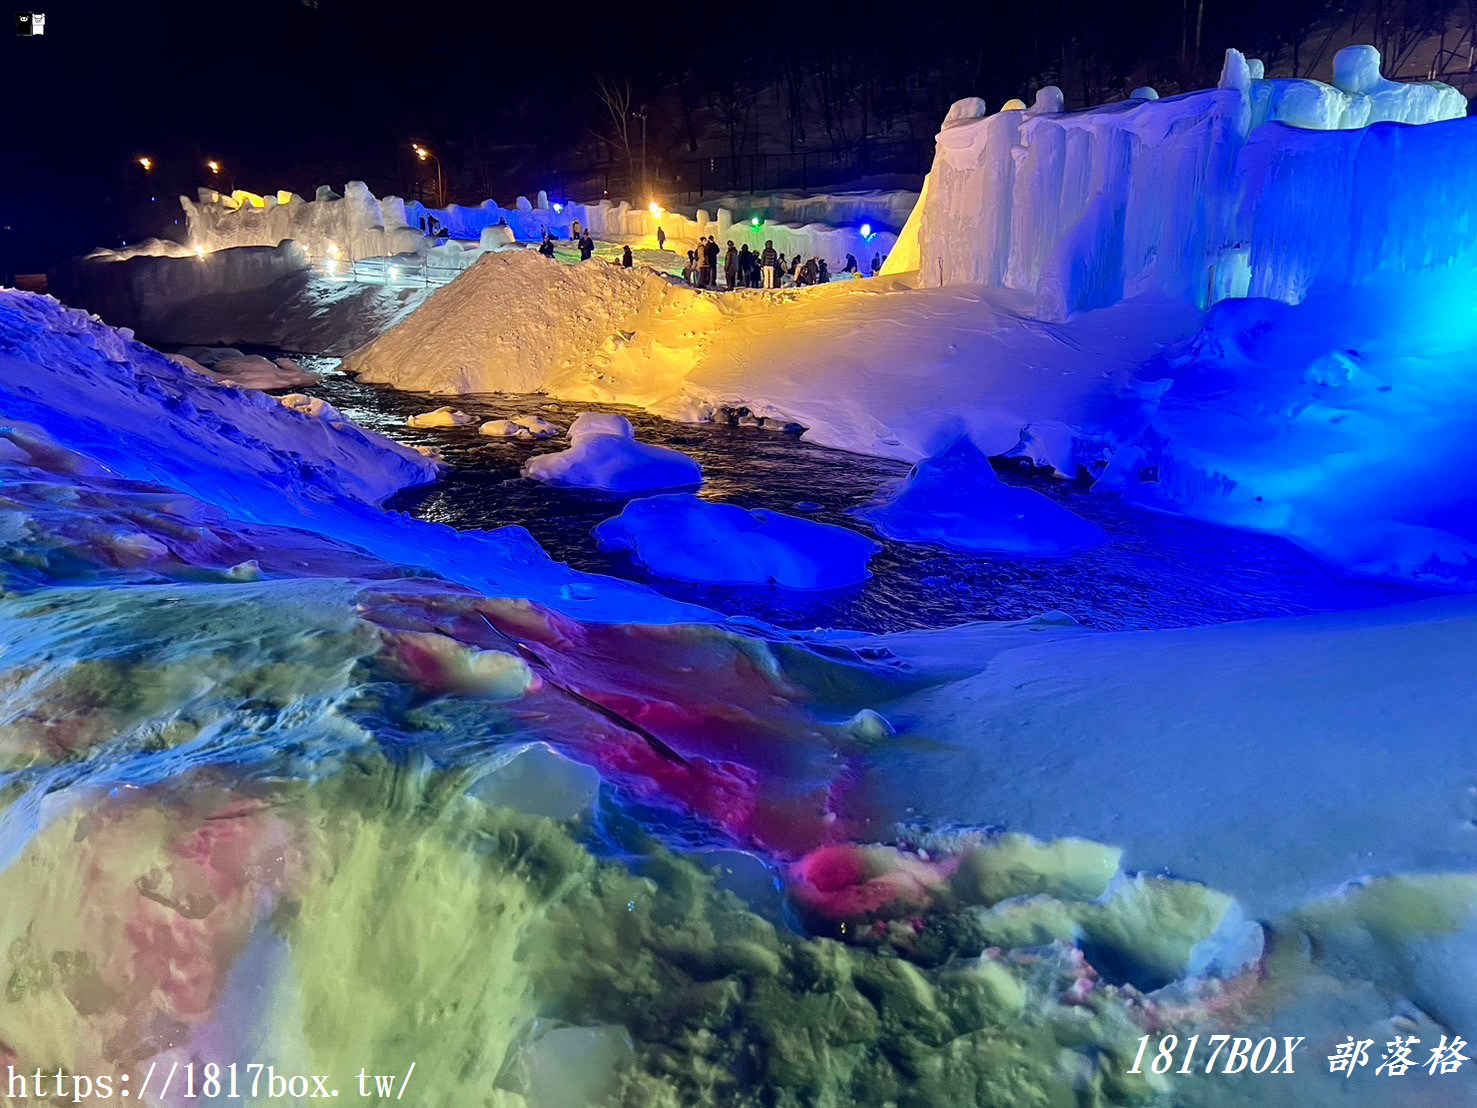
{"points": [[683, 537], [514, 320], [604, 454], [519, 427], [444, 416], [956, 500]]}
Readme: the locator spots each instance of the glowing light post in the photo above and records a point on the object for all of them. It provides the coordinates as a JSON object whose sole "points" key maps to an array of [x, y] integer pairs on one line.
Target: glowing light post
{"points": [[216, 168], [422, 153], [147, 163], [331, 264]]}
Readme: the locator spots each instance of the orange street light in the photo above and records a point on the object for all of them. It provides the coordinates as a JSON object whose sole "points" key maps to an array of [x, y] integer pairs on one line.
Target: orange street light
{"points": [[147, 163], [422, 153]]}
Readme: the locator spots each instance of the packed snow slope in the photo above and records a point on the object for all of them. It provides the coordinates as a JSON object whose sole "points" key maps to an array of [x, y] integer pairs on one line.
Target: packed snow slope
{"points": [[299, 780]]}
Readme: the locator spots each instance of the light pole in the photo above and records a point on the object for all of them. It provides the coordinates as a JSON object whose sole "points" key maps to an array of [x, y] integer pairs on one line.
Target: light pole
{"points": [[215, 171], [645, 181], [422, 153]]}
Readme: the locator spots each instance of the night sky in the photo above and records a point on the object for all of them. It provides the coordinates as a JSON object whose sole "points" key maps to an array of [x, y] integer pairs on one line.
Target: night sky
{"points": [[293, 94]]}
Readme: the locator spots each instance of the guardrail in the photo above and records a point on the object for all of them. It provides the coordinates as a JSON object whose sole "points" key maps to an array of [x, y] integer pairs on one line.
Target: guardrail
{"points": [[395, 273]]}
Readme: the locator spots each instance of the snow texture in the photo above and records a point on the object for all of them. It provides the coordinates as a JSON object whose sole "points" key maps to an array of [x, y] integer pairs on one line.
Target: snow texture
{"points": [[689, 539], [956, 500], [603, 454]]}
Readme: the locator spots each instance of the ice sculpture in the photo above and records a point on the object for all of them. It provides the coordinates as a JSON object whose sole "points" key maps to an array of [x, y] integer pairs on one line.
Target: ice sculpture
{"points": [[1192, 194]]}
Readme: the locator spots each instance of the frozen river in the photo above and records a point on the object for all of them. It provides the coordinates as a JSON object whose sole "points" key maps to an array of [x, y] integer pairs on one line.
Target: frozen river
{"points": [[1157, 571]]}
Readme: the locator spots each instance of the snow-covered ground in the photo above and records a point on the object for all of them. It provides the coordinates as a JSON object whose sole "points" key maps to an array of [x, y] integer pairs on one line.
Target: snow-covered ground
{"points": [[201, 740]]}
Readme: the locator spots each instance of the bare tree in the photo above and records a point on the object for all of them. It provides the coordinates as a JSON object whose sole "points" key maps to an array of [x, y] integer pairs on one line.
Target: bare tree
{"points": [[616, 97]]}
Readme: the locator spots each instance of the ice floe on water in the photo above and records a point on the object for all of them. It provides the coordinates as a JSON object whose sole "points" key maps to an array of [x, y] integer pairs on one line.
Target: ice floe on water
{"points": [[603, 454], [678, 535]]}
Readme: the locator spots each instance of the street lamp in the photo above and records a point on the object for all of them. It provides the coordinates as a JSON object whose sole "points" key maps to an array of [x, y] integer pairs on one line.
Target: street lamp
{"points": [[645, 180], [147, 163], [422, 153]]}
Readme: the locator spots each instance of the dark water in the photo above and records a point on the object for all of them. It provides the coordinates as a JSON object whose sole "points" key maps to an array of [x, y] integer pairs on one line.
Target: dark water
{"points": [[1157, 571]]}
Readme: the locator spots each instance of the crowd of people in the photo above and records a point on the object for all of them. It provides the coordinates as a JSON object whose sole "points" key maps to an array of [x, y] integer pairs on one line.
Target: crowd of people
{"points": [[741, 267]]}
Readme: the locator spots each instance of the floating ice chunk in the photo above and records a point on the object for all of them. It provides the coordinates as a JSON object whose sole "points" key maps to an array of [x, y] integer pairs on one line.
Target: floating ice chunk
{"points": [[604, 454], [540, 781], [956, 500], [600, 423], [442, 417], [519, 427], [689, 539], [568, 1067]]}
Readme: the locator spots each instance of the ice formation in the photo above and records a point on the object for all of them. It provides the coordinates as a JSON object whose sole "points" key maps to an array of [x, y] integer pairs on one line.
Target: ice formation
{"points": [[520, 427], [603, 454], [1080, 209], [956, 500], [231, 367], [689, 539], [262, 295], [444, 416]]}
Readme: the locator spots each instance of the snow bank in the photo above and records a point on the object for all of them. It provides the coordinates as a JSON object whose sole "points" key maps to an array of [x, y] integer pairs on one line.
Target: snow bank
{"points": [[1081, 209], [1271, 758], [682, 537], [118, 404], [956, 500], [1344, 422], [603, 454]]}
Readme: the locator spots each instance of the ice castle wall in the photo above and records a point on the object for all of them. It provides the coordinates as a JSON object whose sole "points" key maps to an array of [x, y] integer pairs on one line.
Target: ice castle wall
{"points": [[1259, 187]]}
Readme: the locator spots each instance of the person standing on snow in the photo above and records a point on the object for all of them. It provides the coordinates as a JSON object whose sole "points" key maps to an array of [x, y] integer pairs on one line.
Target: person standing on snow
{"points": [[730, 266], [689, 271], [823, 273], [574, 231], [587, 247], [712, 256], [626, 260], [704, 264], [745, 259], [768, 260], [876, 264], [661, 239]]}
